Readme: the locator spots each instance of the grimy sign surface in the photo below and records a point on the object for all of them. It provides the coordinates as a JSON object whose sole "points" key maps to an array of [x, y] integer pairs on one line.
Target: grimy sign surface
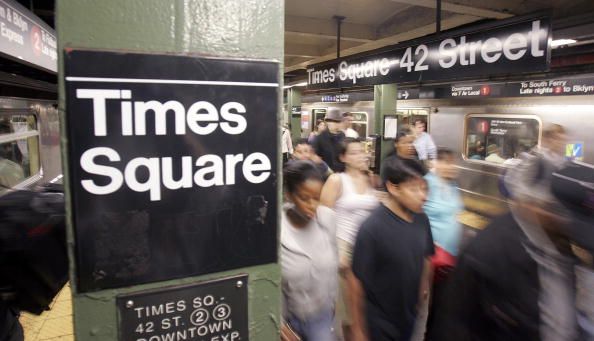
{"points": [[506, 47], [172, 165]]}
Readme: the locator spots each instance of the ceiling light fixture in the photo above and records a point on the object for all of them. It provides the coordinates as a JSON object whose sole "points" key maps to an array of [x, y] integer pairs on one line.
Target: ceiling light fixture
{"points": [[561, 42]]}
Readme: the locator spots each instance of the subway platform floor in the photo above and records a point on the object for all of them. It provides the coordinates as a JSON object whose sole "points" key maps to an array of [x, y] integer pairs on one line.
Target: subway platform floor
{"points": [[54, 324]]}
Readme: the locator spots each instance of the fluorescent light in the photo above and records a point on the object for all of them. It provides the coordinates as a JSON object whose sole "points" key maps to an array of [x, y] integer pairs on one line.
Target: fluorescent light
{"points": [[287, 86], [300, 84], [561, 42]]}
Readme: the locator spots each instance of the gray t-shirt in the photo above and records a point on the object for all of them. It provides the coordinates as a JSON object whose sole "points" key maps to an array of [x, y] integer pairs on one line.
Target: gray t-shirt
{"points": [[309, 265]]}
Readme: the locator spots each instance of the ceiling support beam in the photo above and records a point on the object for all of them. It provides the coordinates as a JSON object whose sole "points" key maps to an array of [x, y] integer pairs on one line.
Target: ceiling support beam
{"points": [[326, 29], [460, 9]]}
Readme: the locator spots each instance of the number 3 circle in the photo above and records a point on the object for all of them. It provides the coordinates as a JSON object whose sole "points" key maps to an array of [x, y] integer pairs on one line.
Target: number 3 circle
{"points": [[221, 312]]}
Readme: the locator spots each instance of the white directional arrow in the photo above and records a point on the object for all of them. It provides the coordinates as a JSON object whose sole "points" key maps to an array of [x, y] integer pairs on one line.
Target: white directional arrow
{"points": [[405, 94]]}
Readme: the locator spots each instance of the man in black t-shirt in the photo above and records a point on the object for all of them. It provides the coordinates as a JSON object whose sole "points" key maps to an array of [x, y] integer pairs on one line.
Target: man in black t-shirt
{"points": [[390, 258]]}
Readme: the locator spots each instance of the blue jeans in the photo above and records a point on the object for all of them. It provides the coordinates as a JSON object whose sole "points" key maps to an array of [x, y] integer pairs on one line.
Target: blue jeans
{"points": [[319, 327]]}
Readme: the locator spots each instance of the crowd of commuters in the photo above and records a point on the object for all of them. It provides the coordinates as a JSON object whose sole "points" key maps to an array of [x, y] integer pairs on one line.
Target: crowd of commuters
{"points": [[381, 260]]}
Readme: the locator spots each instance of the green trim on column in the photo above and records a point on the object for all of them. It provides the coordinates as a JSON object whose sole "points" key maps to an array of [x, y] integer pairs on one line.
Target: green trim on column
{"points": [[227, 28], [294, 100], [384, 98]]}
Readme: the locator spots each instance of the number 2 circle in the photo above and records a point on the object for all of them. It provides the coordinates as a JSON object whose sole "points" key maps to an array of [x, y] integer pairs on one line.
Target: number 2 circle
{"points": [[199, 317]]}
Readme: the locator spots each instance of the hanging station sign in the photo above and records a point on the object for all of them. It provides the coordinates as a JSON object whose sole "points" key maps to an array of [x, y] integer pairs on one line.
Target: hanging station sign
{"points": [[171, 169], [505, 47], [26, 37], [533, 88]]}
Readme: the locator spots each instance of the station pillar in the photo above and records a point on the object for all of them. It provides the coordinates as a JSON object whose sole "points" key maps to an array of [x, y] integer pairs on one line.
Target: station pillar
{"points": [[214, 28], [384, 98], [294, 107]]}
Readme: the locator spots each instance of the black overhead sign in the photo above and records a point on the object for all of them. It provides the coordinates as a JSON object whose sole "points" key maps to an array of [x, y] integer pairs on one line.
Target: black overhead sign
{"points": [[532, 88], [513, 46], [26, 37], [213, 311], [172, 165]]}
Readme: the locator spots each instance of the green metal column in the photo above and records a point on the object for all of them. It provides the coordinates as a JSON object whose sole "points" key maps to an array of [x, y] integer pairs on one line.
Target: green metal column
{"points": [[384, 98], [229, 28], [294, 102]]}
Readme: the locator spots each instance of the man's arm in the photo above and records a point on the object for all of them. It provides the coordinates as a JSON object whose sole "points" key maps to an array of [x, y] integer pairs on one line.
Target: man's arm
{"points": [[359, 326]]}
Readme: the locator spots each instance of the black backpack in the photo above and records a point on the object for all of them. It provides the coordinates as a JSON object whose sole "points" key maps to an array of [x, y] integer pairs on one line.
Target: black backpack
{"points": [[33, 253]]}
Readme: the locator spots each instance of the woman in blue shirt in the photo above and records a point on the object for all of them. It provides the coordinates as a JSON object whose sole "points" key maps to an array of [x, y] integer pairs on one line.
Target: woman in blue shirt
{"points": [[443, 205]]}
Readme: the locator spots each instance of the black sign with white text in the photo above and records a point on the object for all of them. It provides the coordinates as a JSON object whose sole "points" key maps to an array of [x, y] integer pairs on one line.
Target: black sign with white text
{"points": [[513, 46], [532, 88], [172, 165], [210, 311]]}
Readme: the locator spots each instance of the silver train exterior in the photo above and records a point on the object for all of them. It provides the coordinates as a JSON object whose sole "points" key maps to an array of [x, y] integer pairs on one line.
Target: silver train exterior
{"points": [[46, 131], [479, 180]]}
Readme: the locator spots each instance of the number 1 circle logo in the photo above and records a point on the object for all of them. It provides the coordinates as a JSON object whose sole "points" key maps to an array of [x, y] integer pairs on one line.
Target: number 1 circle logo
{"points": [[221, 312], [199, 317]]}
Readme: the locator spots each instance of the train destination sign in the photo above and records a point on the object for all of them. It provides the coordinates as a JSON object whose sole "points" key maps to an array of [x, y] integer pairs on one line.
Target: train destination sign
{"points": [[26, 37], [211, 311], [172, 169], [529, 88], [513, 46]]}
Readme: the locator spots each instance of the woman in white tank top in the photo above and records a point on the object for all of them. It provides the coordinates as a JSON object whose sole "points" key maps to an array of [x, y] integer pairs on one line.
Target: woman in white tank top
{"points": [[352, 197]]}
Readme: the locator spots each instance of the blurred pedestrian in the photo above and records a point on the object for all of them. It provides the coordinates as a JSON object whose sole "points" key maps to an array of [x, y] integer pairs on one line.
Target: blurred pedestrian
{"points": [[308, 256], [517, 279], [391, 258], [443, 206], [424, 145], [286, 144], [319, 128], [347, 121], [327, 144], [303, 151], [352, 197]]}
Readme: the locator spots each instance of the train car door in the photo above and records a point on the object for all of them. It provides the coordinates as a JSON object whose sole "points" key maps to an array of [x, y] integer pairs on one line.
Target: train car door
{"points": [[408, 116], [360, 123]]}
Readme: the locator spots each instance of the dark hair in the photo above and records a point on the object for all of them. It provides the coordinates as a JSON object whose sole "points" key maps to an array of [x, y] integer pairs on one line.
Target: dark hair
{"points": [[298, 172], [443, 153], [347, 114], [419, 120], [404, 131], [397, 170], [301, 141], [344, 144]]}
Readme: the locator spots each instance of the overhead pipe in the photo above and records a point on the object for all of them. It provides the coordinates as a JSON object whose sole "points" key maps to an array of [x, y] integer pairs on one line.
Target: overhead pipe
{"points": [[438, 16], [339, 20]]}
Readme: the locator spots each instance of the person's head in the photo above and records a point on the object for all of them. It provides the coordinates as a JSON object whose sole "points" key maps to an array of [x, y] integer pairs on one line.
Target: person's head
{"points": [[320, 125], [404, 182], [347, 120], [333, 121], [302, 186], [403, 144], [302, 150], [352, 155], [445, 165], [419, 126], [554, 138]]}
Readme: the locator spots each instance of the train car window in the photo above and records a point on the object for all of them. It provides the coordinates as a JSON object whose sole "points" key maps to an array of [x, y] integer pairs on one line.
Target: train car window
{"points": [[360, 123], [19, 148], [500, 139], [407, 116]]}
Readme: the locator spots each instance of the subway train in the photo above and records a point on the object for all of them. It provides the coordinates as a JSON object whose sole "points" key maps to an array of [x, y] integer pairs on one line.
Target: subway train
{"points": [[29, 143], [511, 124]]}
